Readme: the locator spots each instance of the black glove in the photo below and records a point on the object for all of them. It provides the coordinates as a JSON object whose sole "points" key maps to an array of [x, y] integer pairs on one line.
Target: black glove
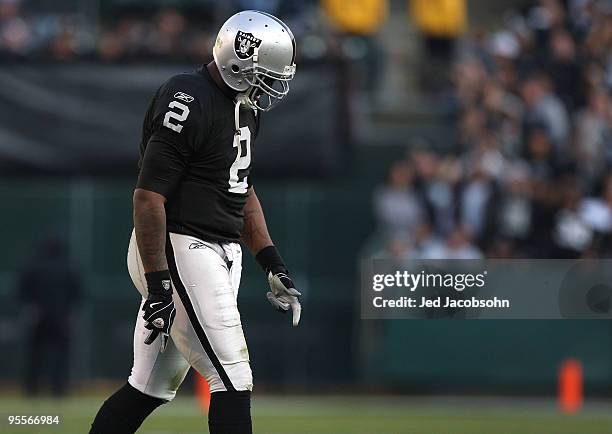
{"points": [[283, 295], [159, 311]]}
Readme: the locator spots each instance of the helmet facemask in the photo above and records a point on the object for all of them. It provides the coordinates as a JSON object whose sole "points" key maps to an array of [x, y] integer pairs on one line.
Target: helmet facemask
{"points": [[266, 87]]}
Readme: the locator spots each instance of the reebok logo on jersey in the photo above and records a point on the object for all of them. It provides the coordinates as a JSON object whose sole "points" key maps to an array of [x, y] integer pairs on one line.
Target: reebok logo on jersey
{"points": [[183, 97]]}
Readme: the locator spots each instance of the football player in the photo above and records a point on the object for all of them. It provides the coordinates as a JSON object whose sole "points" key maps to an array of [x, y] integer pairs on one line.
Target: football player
{"points": [[193, 204]]}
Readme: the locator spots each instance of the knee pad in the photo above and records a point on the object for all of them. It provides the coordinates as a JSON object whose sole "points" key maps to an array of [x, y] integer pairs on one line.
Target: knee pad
{"points": [[160, 392], [230, 413], [239, 374]]}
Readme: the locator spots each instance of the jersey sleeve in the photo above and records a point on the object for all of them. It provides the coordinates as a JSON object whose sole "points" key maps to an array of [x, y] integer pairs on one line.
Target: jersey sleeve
{"points": [[179, 126], [180, 114]]}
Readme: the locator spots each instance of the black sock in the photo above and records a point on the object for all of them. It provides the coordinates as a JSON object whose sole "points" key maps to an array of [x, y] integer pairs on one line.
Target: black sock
{"points": [[230, 413], [124, 411]]}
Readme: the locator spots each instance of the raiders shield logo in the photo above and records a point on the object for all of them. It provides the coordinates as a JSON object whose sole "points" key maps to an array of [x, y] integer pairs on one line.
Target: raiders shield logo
{"points": [[245, 44]]}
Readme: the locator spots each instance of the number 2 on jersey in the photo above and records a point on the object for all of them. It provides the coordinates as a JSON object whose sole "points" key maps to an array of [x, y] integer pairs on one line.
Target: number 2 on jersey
{"points": [[182, 117], [242, 162]]}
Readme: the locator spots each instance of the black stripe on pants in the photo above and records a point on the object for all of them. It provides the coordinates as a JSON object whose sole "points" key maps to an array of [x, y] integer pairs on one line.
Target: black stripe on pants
{"points": [[193, 318]]}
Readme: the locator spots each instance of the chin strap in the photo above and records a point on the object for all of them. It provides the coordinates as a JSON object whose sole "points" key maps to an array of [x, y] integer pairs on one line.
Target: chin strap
{"points": [[240, 100]]}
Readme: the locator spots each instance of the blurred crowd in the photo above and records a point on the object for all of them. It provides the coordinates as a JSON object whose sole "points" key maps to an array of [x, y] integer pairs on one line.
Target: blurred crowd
{"points": [[530, 172], [142, 31]]}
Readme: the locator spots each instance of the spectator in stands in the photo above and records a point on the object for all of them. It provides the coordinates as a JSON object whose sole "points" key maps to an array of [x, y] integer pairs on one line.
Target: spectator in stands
{"points": [[591, 125], [545, 108], [564, 67], [596, 212], [15, 31], [476, 203], [515, 205], [458, 246], [356, 34], [169, 34], [50, 288], [572, 234], [435, 181], [440, 23], [427, 244], [397, 206], [504, 113]]}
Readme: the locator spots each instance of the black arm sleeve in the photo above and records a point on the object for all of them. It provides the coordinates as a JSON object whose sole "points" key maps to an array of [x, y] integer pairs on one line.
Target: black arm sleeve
{"points": [[163, 165]]}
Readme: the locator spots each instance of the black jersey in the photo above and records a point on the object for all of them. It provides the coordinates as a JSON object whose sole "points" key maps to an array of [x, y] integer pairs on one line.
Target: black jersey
{"points": [[192, 153]]}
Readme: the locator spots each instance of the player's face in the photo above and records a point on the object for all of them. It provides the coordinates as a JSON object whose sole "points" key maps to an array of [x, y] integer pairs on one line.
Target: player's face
{"points": [[267, 93], [273, 84]]}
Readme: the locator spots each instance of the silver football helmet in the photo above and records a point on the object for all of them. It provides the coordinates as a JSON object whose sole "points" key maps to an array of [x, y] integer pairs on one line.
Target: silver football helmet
{"points": [[255, 54]]}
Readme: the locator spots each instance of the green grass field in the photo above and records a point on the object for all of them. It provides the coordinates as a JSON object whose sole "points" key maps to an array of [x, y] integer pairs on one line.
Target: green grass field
{"points": [[339, 415]]}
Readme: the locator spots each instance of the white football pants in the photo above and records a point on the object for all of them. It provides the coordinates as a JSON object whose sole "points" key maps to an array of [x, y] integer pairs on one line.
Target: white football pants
{"points": [[207, 332]]}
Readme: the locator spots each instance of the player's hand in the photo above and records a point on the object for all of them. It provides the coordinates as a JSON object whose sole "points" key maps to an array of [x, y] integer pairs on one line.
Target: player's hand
{"points": [[158, 308], [283, 295]]}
